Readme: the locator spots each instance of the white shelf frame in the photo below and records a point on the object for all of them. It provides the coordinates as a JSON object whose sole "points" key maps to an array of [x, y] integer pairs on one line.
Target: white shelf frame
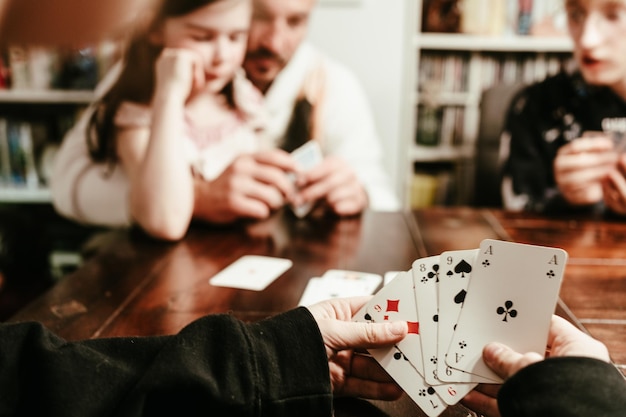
{"points": [[512, 43], [441, 153], [47, 96], [461, 98], [25, 195]]}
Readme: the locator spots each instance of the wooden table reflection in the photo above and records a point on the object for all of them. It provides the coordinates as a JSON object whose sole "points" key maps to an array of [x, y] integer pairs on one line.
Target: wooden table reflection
{"points": [[132, 285]]}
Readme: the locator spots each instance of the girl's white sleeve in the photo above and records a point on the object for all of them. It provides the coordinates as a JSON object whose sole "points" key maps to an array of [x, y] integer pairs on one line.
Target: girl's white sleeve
{"points": [[85, 191]]}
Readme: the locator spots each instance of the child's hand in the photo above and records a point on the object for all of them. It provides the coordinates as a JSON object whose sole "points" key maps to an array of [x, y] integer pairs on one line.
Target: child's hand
{"points": [[580, 167], [614, 187], [179, 72]]}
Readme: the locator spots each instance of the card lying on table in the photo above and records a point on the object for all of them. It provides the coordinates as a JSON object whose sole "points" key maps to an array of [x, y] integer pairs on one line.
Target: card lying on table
{"points": [[457, 302], [251, 272], [337, 283]]}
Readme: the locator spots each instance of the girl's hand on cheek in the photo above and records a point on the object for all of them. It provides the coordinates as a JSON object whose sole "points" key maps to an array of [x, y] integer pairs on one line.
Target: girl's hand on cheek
{"points": [[179, 72]]}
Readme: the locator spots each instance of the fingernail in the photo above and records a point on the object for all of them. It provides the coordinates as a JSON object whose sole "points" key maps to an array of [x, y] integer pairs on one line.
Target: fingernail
{"points": [[398, 328]]}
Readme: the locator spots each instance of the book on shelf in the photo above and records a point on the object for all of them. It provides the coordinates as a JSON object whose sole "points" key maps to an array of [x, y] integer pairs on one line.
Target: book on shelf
{"points": [[31, 176], [451, 130], [495, 17], [17, 161], [484, 17], [524, 16], [5, 156], [19, 154], [440, 126], [40, 68], [441, 16], [19, 72], [443, 72], [427, 133], [423, 190], [459, 127], [522, 67], [433, 185]]}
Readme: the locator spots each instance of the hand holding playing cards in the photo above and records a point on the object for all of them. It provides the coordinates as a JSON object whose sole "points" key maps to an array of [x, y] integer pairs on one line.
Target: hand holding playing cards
{"points": [[353, 374], [564, 340], [251, 187], [581, 165], [336, 183], [614, 187]]}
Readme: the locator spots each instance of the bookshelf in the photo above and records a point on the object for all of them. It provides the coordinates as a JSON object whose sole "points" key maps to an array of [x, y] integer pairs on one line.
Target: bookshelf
{"points": [[42, 91], [42, 117], [451, 71], [32, 126]]}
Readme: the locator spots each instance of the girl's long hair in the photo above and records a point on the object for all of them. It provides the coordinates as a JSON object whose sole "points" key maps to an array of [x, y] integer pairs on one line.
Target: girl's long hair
{"points": [[136, 81]]}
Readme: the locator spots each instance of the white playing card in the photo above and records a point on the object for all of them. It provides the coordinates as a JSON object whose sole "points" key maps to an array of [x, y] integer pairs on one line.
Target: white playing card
{"points": [[365, 282], [396, 301], [307, 156], [251, 272], [315, 292], [339, 283], [405, 375], [425, 278], [426, 275], [454, 277], [510, 299], [389, 275]]}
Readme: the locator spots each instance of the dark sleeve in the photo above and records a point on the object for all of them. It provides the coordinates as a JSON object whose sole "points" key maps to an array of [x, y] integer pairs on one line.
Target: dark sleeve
{"points": [[215, 366], [530, 159], [565, 387]]}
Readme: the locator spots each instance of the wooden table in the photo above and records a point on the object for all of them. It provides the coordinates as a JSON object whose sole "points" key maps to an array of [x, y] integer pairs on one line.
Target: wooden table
{"points": [[131, 285], [594, 286]]}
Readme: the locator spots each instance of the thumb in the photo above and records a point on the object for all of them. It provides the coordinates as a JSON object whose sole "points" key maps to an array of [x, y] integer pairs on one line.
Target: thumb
{"points": [[504, 361], [340, 335]]}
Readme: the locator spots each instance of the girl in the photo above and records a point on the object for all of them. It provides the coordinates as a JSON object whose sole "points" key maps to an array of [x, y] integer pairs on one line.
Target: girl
{"points": [[180, 107]]}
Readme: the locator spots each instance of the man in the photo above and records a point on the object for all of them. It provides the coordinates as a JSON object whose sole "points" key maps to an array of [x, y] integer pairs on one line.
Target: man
{"points": [[307, 97], [561, 131], [295, 77]]}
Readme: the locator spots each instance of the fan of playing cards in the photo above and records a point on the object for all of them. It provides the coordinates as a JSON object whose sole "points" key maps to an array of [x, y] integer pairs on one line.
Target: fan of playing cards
{"points": [[455, 304]]}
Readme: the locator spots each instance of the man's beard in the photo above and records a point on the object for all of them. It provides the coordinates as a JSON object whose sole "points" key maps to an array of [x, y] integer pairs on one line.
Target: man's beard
{"points": [[264, 53]]}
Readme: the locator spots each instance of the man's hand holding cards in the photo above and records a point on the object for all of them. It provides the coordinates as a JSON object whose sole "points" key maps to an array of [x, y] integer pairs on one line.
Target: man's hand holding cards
{"points": [[456, 303]]}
